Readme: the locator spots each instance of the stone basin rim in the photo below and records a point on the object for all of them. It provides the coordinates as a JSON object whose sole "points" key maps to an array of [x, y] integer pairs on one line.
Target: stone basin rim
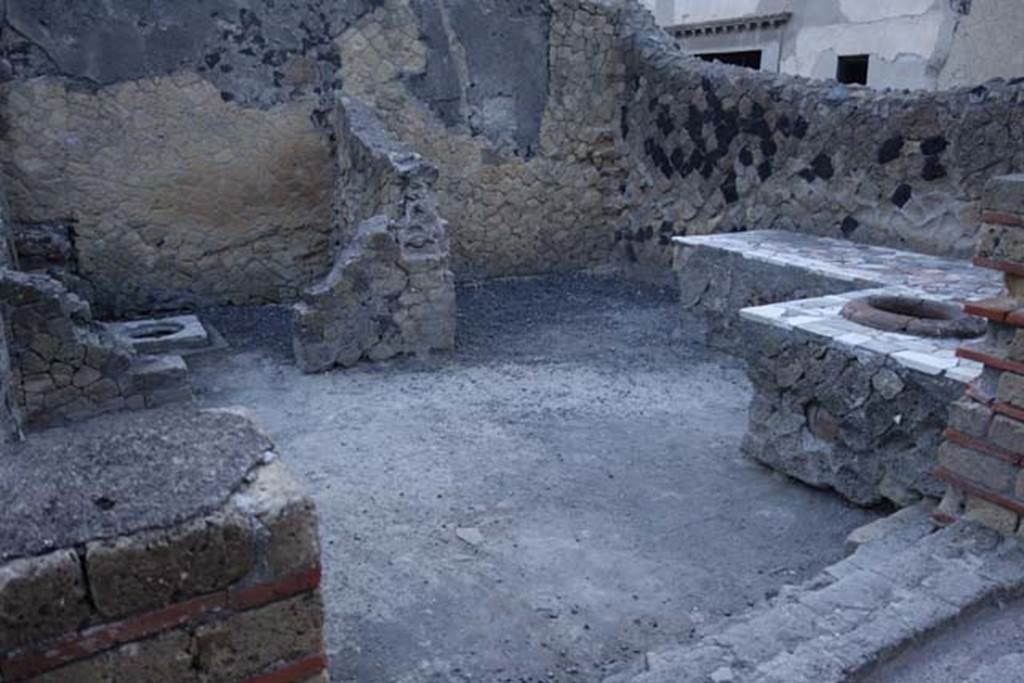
{"points": [[914, 316]]}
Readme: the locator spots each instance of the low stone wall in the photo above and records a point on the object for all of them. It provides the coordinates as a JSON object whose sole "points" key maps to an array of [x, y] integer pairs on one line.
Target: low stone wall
{"points": [[720, 149], [390, 291], [173, 547], [834, 416], [66, 367], [720, 275], [837, 403], [982, 458], [715, 284]]}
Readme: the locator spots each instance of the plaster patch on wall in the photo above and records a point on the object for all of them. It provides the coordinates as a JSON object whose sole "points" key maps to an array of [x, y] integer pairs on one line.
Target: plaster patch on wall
{"points": [[693, 11], [175, 195], [982, 44], [863, 11], [890, 41]]}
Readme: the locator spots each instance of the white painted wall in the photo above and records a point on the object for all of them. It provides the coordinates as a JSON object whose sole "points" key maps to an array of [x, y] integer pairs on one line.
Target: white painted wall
{"points": [[901, 45], [915, 44], [988, 43]]}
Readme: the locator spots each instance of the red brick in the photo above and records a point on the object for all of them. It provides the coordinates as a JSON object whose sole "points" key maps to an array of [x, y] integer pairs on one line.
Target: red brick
{"points": [[983, 447], [1012, 267], [75, 646], [996, 308], [1002, 218], [1015, 319], [990, 360], [266, 593], [1009, 411], [974, 489], [943, 518], [295, 672]]}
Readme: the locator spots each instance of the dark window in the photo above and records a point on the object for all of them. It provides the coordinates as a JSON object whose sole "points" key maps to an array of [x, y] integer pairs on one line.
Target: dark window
{"points": [[750, 59], [853, 69]]}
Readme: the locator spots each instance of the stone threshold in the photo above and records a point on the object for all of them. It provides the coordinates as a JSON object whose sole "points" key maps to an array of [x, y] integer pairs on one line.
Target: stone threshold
{"points": [[903, 583]]}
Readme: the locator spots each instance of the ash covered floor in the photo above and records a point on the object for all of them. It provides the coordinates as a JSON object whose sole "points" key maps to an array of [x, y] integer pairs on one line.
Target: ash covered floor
{"points": [[562, 494]]}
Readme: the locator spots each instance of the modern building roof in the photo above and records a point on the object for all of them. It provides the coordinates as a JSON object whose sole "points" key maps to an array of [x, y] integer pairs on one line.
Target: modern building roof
{"points": [[751, 22]]}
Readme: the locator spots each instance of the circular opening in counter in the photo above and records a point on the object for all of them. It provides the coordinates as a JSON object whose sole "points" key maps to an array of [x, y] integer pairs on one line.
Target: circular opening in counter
{"points": [[914, 316], [156, 330]]}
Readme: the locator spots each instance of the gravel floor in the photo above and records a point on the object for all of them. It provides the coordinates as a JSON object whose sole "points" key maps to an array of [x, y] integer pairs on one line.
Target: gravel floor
{"points": [[562, 493]]}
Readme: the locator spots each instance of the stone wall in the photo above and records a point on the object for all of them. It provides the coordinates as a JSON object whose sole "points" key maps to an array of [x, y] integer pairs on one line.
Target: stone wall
{"points": [[837, 417], [521, 120], [982, 458], [718, 149], [66, 367], [189, 147], [184, 143], [167, 547], [8, 418], [390, 291]]}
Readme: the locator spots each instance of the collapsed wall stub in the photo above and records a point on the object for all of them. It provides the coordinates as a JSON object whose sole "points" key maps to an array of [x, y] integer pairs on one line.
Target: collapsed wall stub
{"points": [[65, 367], [982, 459], [531, 173], [390, 291], [57, 364], [720, 149]]}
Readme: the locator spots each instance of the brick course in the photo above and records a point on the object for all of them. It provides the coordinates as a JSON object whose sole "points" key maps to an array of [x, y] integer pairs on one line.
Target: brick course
{"points": [[982, 459], [231, 596]]}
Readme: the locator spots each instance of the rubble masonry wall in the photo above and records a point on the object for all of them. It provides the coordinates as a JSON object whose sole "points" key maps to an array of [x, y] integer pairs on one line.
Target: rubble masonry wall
{"points": [[719, 149], [189, 148]]}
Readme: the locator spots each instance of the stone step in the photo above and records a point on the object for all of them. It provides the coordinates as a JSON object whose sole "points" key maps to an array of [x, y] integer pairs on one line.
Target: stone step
{"points": [[160, 380], [902, 583]]}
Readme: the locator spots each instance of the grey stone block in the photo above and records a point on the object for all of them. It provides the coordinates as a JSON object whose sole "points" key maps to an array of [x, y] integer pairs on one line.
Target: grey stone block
{"points": [[1007, 433], [150, 570], [287, 523], [970, 417], [248, 643], [41, 597], [1004, 194], [987, 470], [150, 373], [991, 515], [1011, 390]]}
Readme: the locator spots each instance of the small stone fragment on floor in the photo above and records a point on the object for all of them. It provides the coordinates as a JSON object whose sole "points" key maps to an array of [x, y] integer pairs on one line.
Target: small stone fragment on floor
{"points": [[470, 535]]}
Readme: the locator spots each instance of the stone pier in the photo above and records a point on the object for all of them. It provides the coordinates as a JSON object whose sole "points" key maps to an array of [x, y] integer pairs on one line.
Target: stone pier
{"points": [[982, 457], [161, 546]]}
